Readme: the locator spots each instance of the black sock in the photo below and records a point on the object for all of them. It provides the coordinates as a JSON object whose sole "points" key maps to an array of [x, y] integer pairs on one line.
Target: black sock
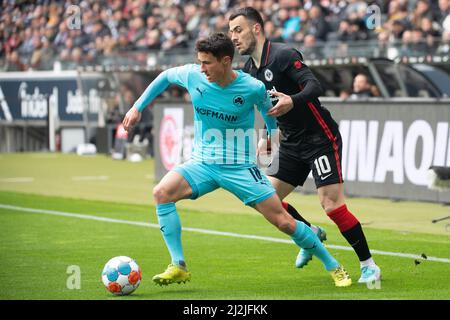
{"points": [[294, 213], [356, 238]]}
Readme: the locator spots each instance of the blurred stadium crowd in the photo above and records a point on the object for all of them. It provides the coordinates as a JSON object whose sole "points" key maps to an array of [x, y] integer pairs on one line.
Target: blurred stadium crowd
{"points": [[35, 34]]}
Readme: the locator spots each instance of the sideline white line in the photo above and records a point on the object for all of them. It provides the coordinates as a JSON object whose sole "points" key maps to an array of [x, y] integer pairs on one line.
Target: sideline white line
{"points": [[90, 178], [17, 179], [204, 231]]}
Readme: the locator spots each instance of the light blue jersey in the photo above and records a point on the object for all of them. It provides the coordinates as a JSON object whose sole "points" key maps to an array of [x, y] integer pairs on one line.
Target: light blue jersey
{"points": [[223, 117]]}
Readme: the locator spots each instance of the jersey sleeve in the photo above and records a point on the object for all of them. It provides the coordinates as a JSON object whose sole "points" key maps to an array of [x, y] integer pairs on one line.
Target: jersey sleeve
{"points": [[178, 76], [264, 105], [293, 67]]}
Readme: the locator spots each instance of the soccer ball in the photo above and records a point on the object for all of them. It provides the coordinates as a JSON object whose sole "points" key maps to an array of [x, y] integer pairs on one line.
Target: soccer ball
{"points": [[121, 275]]}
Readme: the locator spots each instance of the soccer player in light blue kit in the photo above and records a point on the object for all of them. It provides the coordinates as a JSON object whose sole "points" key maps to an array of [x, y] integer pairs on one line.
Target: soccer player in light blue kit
{"points": [[223, 101]]}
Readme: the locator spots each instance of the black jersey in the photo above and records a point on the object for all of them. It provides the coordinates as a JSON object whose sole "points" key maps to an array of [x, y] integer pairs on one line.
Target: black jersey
{"points": [[282, 68]]}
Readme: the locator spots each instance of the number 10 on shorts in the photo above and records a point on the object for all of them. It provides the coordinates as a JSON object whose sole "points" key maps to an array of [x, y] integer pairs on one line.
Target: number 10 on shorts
{"points": [[322, 165]]}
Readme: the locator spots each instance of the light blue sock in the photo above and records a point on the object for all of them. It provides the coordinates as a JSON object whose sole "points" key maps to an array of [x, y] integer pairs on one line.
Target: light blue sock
{"points": [[305, 238], [170, 227]]}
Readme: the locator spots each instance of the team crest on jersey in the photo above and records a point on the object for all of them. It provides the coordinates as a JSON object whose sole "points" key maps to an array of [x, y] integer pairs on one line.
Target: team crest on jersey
{"points": [[268, 75], [238, 101]]}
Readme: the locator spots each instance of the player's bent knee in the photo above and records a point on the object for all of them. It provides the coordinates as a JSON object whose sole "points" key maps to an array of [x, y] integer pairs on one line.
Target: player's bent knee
{"points": [[161, 194], [325, 205], [331, 197], [329, 205]]}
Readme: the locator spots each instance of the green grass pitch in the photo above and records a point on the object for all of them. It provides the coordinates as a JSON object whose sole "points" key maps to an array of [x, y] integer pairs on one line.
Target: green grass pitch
{"points": [[36, 249]]}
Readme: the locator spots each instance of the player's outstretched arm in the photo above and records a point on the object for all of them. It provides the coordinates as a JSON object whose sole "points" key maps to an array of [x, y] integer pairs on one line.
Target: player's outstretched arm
{"points": [[132, 117], [293, 67], [176, 75], [155, 88]]}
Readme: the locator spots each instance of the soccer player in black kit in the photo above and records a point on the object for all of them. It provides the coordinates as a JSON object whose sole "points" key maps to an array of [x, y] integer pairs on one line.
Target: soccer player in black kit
{"points": [[310, 138]]}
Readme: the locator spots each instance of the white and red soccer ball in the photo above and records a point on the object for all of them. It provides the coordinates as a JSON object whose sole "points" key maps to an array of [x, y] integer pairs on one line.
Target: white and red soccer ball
{"points": [[121, 275]]}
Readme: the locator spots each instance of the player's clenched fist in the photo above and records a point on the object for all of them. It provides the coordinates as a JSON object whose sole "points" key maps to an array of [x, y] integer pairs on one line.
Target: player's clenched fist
{"points": [[131, 118]]}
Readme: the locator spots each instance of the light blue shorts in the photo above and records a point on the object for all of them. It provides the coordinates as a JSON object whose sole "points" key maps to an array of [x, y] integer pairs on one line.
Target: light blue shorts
{"points": [[246, 182]]}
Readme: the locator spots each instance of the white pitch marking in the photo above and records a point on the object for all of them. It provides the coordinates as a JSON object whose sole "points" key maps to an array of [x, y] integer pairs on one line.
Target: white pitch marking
{"points": [[212, 232]]}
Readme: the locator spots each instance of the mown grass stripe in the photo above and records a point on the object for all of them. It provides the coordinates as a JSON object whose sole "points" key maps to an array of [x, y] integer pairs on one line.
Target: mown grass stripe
{"points": [[210, 232]]}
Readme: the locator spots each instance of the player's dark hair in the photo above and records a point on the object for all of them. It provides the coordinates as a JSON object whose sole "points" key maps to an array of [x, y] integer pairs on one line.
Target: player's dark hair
{"points": [[250, 14], [218, 44]]}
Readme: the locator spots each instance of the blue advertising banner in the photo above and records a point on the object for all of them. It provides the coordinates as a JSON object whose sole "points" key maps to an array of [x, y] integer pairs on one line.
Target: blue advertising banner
{"points": [[26, 96]]}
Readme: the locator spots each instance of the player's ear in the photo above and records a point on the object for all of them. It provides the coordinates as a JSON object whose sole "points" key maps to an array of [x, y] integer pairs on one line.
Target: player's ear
{"points": [[257, 28], [226, 60]]}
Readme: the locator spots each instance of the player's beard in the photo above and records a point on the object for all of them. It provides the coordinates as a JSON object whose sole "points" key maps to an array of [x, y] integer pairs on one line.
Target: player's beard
{"points": [[251, 46]]}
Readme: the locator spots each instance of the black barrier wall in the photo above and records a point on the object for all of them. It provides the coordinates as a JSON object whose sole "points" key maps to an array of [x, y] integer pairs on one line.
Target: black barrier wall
{"points": [[387, 146]]}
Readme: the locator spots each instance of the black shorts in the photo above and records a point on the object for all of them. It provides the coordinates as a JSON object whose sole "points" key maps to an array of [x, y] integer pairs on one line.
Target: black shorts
{"points": [[294, 160]]}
